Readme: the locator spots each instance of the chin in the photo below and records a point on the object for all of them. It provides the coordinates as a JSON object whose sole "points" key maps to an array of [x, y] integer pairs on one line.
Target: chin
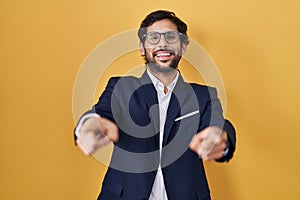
{"points": [[163, 67], [160, 68]]}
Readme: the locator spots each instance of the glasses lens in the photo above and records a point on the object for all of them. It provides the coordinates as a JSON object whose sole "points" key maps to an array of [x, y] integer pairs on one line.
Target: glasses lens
{"points": [[171, 36], [153, 37]]}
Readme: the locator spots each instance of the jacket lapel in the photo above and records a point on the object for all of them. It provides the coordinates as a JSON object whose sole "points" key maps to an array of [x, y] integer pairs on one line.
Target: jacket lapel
{"points": [[178, 97], [154, 111]]}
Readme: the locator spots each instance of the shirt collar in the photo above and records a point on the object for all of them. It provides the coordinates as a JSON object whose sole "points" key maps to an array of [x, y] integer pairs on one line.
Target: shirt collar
{"points": [[159, 85]]}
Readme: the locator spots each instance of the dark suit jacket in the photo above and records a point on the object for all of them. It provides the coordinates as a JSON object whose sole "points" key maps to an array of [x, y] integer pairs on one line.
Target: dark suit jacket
{"points": [[132, 103]]}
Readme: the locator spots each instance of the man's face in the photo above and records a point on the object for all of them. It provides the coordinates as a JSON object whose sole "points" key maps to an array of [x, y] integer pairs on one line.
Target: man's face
{"points": [[163, 56]]}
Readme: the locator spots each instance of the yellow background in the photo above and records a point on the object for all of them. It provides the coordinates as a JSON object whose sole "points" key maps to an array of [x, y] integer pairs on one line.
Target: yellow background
{"points": [[255, 45]]}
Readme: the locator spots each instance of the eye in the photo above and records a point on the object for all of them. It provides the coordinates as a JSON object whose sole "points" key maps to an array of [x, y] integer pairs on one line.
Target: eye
{"points": [[172, 36], [153, 36]]}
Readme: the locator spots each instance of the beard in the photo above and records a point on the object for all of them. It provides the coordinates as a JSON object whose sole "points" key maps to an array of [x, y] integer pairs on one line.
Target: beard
{"points": [[151, 62]]}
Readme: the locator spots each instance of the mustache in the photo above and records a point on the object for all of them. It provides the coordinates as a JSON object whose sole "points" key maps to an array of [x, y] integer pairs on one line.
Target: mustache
{"points": [[164, 50]]}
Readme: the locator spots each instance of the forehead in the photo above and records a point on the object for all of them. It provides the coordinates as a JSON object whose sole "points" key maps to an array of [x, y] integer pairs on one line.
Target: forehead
{"points": [[162, 26]]}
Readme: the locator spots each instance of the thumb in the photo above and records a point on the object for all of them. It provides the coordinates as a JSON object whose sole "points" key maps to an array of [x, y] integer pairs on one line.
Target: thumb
{"points": [[109, 129], [198, 139]]}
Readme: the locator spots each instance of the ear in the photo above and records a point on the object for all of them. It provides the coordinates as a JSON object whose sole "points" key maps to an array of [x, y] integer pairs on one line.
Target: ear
{"points": [[183, 47], [142, 49]]}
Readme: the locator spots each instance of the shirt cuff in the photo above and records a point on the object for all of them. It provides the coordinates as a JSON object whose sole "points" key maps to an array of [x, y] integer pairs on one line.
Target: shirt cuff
{"points": [[82, 119], [226, 151], [227, 144]]}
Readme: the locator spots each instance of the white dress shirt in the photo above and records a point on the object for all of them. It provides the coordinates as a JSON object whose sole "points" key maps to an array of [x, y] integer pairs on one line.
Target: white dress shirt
{"points": [[158, 189]]}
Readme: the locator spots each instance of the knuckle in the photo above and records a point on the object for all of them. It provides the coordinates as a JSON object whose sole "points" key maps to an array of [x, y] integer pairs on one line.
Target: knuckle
{"points": [[93, 144], [223, 145]]}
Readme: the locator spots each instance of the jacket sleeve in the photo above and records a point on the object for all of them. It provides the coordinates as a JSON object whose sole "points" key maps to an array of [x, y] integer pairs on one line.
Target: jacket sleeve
{"points": [[217, 119], [212, 115], [103, 106], [231, 141]]}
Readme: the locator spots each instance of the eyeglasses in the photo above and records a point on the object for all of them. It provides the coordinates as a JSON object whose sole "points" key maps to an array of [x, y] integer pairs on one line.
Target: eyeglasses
{"points": [[154, 37]]}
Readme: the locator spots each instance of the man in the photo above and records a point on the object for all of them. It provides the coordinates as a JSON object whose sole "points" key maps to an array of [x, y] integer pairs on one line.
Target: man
{"points": [[161, 126]]}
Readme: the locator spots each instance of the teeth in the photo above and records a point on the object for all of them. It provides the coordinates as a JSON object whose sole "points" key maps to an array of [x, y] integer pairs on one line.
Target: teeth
{"points": [[163, 54]]}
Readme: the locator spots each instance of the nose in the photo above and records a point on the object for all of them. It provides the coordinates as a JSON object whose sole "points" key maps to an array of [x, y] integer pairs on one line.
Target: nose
{"points": [[162, 42]]}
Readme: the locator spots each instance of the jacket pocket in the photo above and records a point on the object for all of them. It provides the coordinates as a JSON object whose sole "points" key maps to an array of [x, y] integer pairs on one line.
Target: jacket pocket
{"points": [[113, 187]]}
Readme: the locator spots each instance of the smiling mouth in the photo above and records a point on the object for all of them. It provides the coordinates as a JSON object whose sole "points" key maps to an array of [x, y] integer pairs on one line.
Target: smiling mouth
{"points": [[163, 55]]}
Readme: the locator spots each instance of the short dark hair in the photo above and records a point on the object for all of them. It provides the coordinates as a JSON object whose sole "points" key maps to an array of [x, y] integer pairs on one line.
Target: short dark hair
{"points": [[160, 15]]}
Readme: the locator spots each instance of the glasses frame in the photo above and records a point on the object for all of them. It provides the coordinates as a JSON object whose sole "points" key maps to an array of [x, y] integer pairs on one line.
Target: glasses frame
{"points": [[145, 36]]}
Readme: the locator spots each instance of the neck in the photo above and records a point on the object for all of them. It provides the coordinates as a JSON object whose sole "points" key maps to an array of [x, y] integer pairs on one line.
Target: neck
{"points": [[165, 77]]}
